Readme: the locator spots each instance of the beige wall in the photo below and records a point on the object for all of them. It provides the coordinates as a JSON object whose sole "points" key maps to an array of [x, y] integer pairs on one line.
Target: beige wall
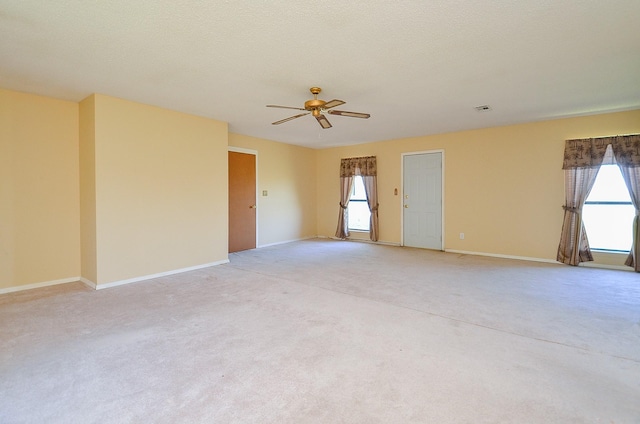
{"points": [[504, 186], [160, 190], [288, 173], [114, 190], [39, 200]]}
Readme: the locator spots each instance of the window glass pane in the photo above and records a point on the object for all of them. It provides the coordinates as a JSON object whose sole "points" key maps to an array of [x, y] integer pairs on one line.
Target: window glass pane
{"points": [[358, 216], [358, 211], [609, 186], [609, 226], [358, 189]]}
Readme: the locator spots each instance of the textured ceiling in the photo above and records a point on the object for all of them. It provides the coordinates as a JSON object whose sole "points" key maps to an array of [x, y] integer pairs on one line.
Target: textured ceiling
{"points": [[418, 67]]}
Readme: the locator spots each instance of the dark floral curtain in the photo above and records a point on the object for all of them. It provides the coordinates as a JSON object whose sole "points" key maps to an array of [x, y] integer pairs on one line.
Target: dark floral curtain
{"points": [[585, 153], [582, 160], [366, 167]]}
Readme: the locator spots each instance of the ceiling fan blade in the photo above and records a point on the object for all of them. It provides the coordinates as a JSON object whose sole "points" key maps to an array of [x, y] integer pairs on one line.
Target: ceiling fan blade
{"points": [[323, 121], [289, 118], [332, 103], [287, 107], [349, 114]]}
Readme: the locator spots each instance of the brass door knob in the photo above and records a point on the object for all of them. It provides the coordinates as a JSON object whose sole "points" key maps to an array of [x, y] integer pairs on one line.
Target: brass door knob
{"points": [[406, 206], [252, 207]]}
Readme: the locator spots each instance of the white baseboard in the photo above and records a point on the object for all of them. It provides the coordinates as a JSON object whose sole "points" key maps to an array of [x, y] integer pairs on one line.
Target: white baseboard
{"points": [[39, 285], [95, 286], [285, 242], [385, 243], [88, 283], [497, 255], [151, 276], [549, 261], [605, 266]]}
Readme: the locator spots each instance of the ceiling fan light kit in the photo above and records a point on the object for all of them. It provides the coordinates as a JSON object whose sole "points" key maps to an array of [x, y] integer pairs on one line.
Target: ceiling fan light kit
{"points": [[316, 106]]}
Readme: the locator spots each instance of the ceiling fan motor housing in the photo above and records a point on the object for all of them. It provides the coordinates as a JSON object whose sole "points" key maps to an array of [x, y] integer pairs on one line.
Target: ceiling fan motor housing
{"points": [[314, 105]]}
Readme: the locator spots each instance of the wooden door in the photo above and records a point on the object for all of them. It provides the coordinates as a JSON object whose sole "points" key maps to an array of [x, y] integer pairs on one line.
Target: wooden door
{"points": [[242, 201], [422, 200]]}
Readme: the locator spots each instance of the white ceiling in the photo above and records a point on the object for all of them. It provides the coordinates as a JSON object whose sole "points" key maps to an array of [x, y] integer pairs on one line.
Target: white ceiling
{"points": [[418, 67]]}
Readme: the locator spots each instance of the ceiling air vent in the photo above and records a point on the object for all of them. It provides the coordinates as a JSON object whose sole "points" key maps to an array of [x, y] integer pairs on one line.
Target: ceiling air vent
{"points": [[483, 108]]}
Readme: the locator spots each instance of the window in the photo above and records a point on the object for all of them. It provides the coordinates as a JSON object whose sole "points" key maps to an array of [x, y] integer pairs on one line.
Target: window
{"points": [[608, 212], [358, 213]]}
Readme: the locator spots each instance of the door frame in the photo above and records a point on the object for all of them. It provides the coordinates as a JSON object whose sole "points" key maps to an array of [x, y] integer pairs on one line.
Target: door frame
{"points": [[254, 153], [402, 156]]}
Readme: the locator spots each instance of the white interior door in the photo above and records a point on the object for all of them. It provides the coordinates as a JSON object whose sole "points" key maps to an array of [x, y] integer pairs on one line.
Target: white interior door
{"points": [[422, 200]]}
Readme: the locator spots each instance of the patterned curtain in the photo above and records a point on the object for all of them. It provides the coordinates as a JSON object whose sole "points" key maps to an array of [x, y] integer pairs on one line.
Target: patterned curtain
{"points": [[371, 191], [574, 245], [366, 167], [582, 160], [585, 153], [346, 183], [627, 152]]}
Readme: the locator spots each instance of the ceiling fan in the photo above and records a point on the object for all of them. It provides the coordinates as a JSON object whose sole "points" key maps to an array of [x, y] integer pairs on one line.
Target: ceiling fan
{"points": [[316, 106]]}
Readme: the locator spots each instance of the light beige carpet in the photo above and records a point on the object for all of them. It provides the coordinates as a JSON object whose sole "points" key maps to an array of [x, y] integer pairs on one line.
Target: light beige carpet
{"points": [[323, 331]]}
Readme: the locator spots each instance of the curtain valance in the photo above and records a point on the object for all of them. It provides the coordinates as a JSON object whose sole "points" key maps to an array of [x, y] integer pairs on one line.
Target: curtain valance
{"points": [[365, 166], [590, 152]]}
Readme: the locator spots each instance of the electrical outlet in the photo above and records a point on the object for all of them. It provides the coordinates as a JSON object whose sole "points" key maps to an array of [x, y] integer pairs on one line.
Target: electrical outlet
{"points": [[461, 236]]}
